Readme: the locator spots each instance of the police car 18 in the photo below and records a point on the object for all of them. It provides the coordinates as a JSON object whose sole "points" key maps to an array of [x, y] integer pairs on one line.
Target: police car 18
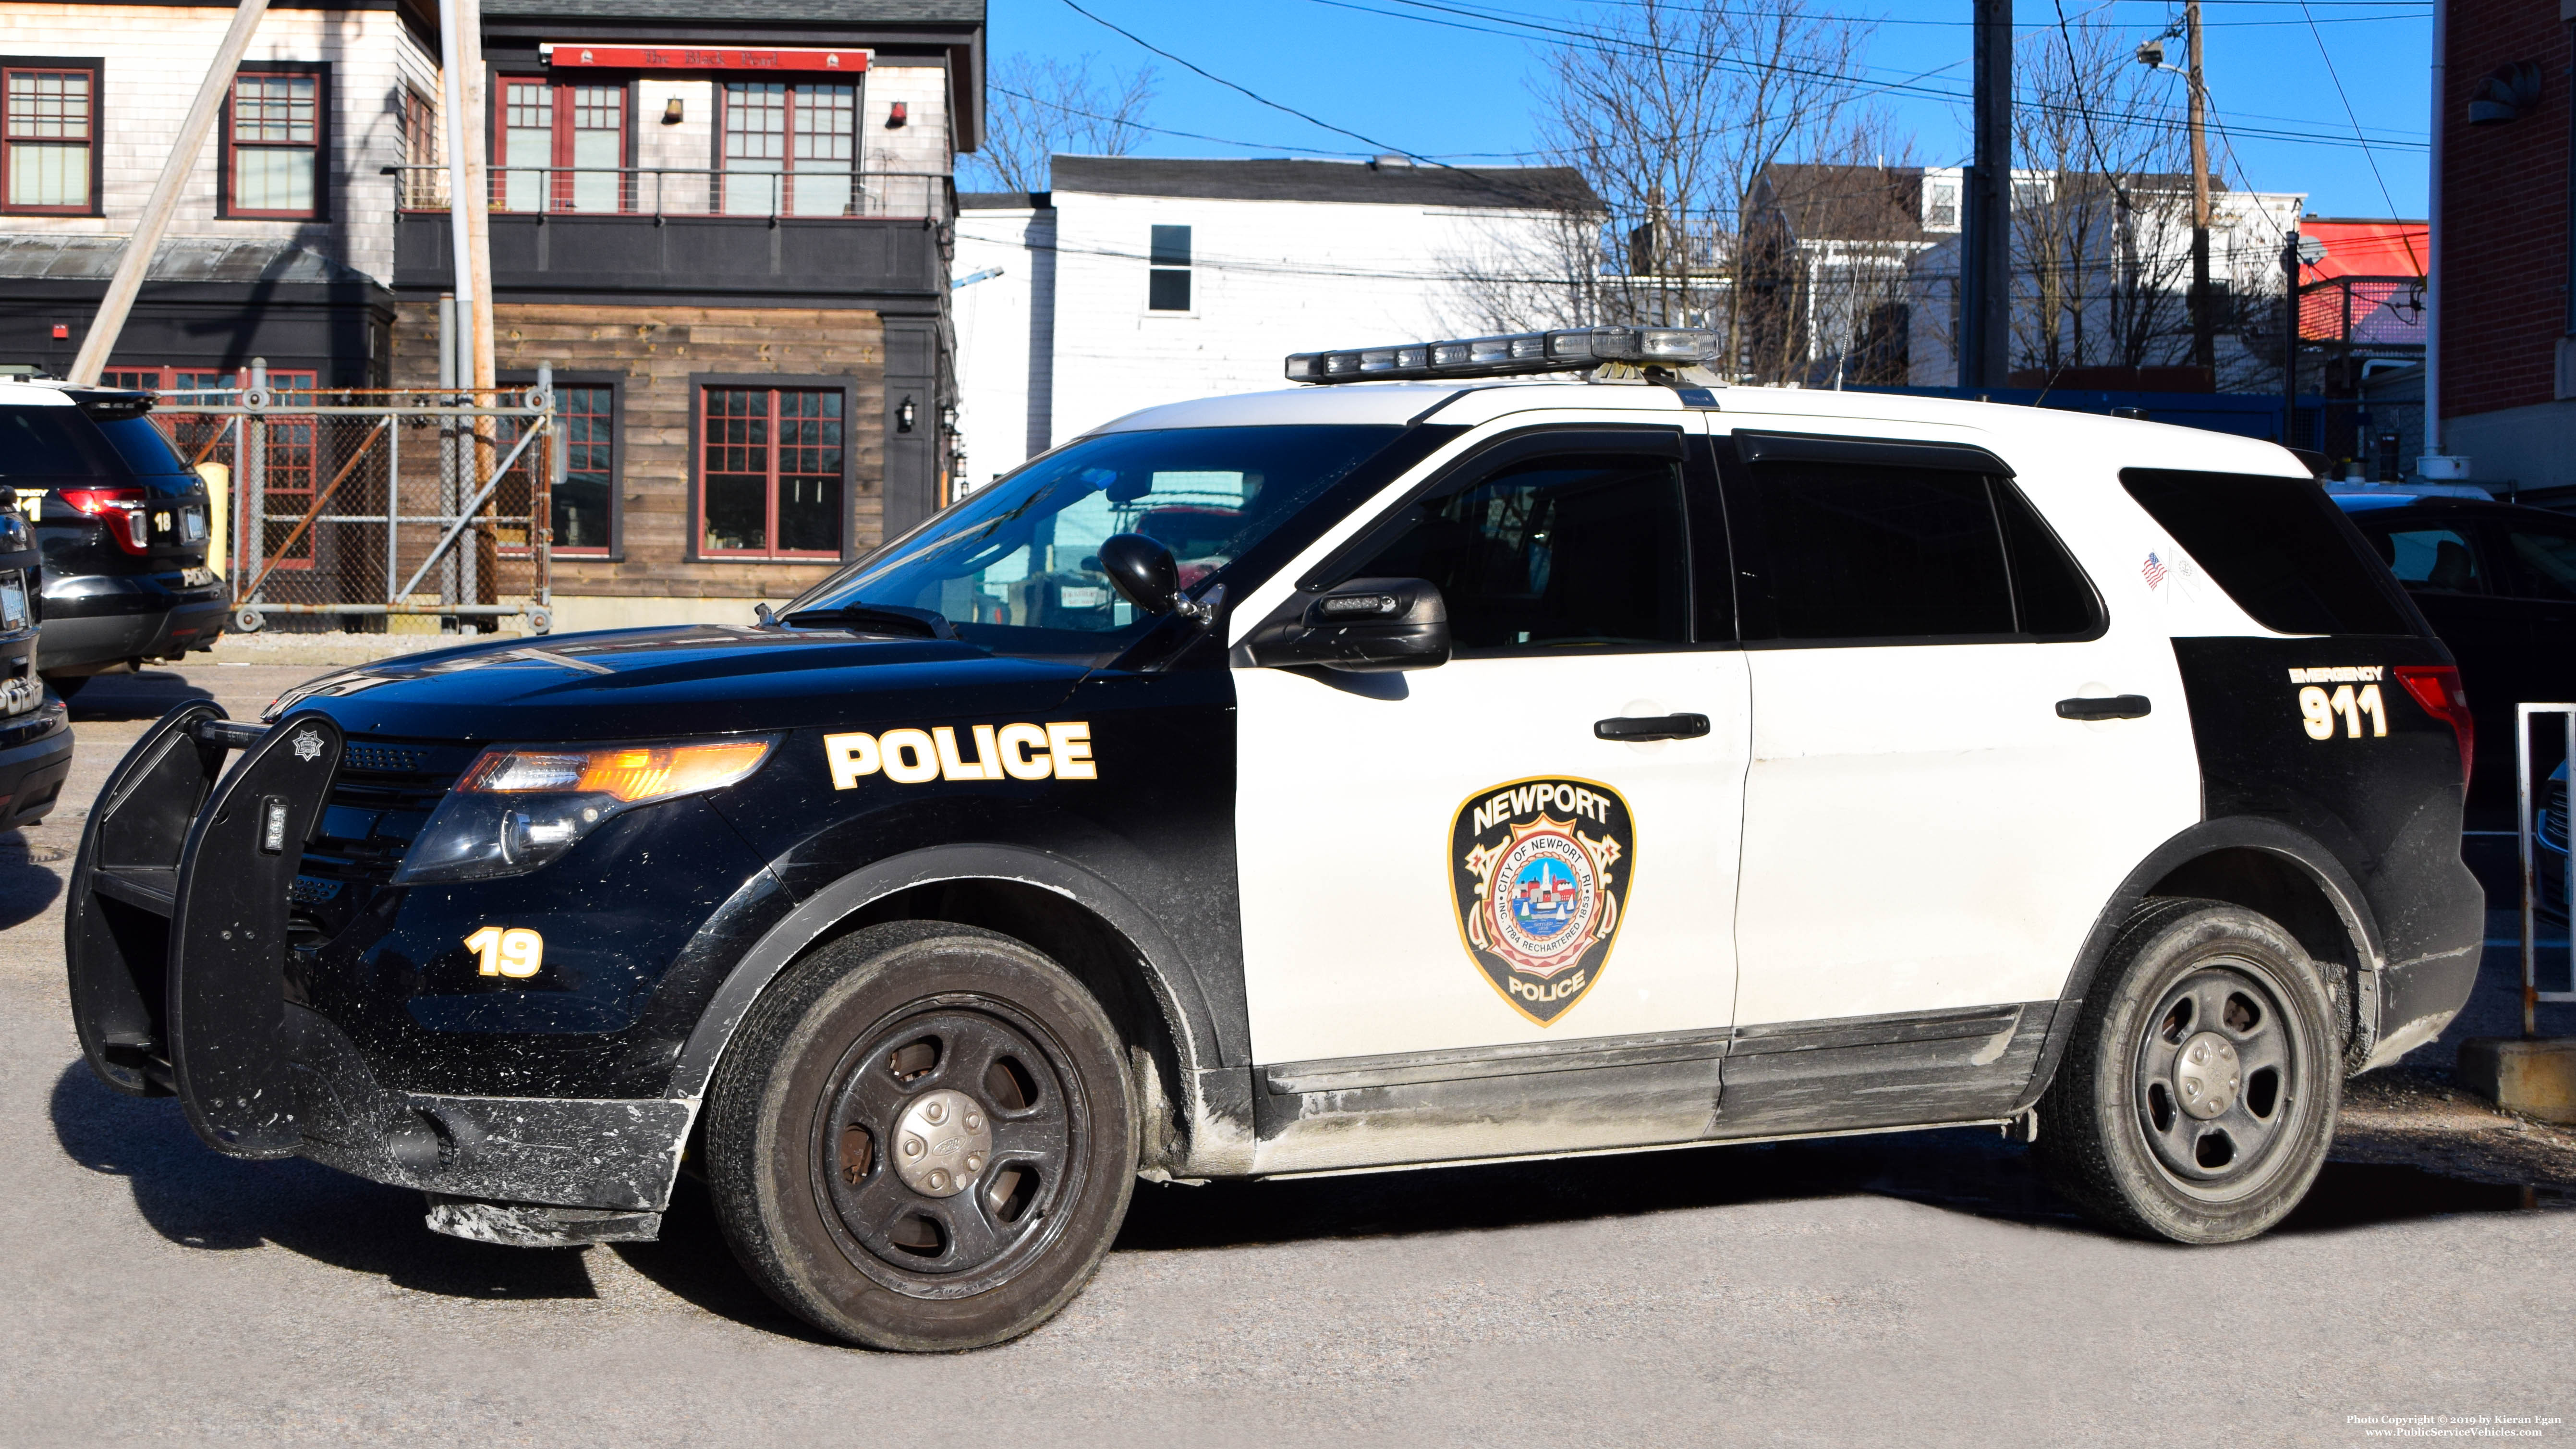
{"points": [[1468, 765]]}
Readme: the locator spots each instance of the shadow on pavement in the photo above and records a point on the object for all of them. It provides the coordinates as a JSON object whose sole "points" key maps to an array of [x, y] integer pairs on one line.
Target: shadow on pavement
{"points": [[198, 1198], [30, 877], [147, 695], [195, 1197], [691, 1261]]}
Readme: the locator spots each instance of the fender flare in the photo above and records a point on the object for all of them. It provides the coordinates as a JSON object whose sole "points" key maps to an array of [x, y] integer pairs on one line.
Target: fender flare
{"points": [[1175, 989], [2240, 832]]}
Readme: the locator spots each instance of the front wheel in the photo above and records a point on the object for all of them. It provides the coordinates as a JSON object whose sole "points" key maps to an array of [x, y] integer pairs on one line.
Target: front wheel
{"points": [[923, 1137], [2199, 1092]]}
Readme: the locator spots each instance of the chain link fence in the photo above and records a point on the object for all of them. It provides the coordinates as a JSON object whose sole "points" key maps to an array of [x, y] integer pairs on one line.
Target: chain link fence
{"points": [[358, 509]]}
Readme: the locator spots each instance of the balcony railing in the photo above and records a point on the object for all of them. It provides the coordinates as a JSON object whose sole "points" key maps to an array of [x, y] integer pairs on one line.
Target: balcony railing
{"points": [[680, 191]]}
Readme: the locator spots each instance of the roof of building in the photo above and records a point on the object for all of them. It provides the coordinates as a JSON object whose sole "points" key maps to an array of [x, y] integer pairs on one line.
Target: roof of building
{"points": [[180, 259], [1845, 203], [830, 12], [1387, 183]]}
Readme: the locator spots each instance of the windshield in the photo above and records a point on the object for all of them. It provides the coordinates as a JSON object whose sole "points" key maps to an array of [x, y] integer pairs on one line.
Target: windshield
{"points": [[1016, 567]]}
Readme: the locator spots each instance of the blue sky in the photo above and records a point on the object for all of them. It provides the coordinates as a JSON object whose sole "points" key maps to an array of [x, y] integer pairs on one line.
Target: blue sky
{"points": [[1431, 77]]}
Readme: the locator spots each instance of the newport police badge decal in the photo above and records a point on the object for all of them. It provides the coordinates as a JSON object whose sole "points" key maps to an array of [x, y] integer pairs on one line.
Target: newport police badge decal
{"points": [[1539, 868]]}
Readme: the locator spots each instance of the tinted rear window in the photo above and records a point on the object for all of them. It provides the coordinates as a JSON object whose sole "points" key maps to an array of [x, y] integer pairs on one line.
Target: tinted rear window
{"points": [[39, 442], [2278, 546], [141, 445]]}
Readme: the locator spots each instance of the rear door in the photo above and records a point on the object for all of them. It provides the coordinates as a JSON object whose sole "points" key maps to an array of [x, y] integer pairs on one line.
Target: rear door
{"points": [[1927, 836]]}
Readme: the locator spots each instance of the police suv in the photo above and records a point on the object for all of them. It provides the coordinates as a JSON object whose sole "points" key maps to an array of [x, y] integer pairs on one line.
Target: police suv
{"points": [[1468, 764]]}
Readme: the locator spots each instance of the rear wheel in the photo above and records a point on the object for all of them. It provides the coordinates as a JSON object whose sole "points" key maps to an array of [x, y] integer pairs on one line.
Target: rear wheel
{"points": [[923, 1137], [2199, 1092]]}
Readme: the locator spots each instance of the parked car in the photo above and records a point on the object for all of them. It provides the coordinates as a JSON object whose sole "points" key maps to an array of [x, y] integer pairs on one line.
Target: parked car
{"points": [[1530, 768], [122, 524], [2497, 581], [35, 732]]}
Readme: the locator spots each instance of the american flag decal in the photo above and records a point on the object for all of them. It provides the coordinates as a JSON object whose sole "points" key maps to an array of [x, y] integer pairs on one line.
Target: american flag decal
{"points": [[2154, 570]]}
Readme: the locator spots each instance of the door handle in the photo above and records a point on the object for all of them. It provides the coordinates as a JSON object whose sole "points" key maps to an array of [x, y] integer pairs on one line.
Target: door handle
{"points": [[1634, 729], [2117, 706]]}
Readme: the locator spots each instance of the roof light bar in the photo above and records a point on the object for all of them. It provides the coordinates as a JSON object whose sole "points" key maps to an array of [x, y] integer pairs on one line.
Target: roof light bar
{"points": [[1572, 349]]}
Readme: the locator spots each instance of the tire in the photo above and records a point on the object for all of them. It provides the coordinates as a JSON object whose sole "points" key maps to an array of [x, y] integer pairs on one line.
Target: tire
{"points": [[2206, 1014], [865, 1068]]}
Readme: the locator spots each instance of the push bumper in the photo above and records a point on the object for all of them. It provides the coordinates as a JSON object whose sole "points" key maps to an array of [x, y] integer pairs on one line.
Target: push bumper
{"points": [[176, 941]]}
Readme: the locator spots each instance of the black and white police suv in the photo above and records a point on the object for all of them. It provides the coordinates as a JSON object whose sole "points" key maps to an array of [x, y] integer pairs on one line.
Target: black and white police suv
{"points": [[1460, 766]]}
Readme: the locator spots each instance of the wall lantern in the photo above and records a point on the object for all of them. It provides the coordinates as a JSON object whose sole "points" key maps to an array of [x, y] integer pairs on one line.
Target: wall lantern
{"points": [[673, 112], [896, 117], [903, 417]]}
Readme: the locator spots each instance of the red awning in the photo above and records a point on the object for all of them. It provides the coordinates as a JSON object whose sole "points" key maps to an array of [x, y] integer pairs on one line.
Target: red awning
{"points": [[703, 57], [2366, 249]]}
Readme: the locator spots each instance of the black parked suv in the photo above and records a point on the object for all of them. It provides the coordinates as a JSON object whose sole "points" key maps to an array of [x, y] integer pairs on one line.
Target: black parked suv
{"points": [[35, 735], [122, 523], [2498, 582]]}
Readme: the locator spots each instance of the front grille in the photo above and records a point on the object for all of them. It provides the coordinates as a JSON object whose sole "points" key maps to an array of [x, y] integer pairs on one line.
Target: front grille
{"points": [[378, 759], [381, 798]]}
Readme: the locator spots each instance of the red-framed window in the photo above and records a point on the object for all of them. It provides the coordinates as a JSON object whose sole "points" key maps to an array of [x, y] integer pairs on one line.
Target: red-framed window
{"points": [[276, 133], [562, 148], [789, 149], [770, 465], [586, 414], [49, 138]]}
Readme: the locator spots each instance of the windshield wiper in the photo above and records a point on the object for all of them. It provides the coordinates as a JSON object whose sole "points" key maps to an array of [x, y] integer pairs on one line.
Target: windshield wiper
{"points": [[875, 619]]}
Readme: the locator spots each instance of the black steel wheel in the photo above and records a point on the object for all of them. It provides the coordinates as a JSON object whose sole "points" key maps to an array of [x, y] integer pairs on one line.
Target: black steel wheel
{"points": [[923, 1137], [2200, 1089]]}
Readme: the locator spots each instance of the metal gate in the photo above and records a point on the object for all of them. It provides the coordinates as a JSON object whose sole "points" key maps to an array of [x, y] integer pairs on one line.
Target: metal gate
{"points": [[377, 505]]}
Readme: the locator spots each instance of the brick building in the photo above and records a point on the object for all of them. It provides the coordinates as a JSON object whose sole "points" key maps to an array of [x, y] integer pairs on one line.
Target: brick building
{"points": [[725, 226], [2507, 367]]}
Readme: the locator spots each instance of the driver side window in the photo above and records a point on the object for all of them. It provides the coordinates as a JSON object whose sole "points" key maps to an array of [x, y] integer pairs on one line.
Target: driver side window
{"points": [[1556, 553]]}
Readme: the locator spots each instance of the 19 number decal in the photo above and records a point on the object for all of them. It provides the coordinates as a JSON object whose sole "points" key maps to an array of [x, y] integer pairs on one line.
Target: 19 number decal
{"points": [[2321, 709], [513, 951]]}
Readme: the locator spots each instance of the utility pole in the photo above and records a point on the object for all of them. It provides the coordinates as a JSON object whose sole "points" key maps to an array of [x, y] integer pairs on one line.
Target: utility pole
{"points": [[1985, 250], [2204, 327], [131, 268]]}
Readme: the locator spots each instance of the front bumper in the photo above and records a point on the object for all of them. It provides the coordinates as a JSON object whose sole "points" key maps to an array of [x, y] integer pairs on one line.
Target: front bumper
{"points": [[176, 935]]}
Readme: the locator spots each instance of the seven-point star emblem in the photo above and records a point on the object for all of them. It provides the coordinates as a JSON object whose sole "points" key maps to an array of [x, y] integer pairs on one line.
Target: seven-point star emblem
{"points": [[308, 746]]}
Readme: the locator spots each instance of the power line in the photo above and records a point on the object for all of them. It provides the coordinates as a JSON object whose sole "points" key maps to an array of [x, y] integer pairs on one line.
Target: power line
{"points": [[2366, 153], [1910, 86]]}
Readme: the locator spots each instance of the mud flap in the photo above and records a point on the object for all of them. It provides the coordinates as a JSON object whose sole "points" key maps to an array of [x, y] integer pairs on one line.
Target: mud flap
{"points": [[227, 997], [116, 920]]}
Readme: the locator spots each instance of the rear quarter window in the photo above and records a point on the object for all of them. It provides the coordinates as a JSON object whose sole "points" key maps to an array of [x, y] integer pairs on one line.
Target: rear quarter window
{"points": [[2279, 547]]}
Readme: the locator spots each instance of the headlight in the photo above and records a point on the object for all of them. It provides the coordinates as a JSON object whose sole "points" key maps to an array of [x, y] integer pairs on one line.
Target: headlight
{"points": [[519, 807]]}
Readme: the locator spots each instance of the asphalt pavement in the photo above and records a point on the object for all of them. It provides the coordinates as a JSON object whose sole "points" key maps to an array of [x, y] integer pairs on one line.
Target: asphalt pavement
{"points": [[1908, 1289]]}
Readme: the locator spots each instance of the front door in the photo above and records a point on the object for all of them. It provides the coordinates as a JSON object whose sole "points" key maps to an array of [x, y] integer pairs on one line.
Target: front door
{"points": [[1474, 925], [1928, 835]]}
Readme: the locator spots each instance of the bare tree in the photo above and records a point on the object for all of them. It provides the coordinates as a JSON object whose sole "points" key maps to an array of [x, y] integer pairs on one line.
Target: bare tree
{"points": [[1044, 106], [1671, 110], [2101, 207]]}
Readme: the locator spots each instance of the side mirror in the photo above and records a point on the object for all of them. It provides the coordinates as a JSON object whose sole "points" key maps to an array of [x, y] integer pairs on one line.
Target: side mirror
{"points": [[1142, 571], [1365, 626]]}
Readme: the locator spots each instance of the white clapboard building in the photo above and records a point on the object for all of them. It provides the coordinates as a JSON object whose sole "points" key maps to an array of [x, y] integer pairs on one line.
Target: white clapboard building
{"points": [[1141, 280]]}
